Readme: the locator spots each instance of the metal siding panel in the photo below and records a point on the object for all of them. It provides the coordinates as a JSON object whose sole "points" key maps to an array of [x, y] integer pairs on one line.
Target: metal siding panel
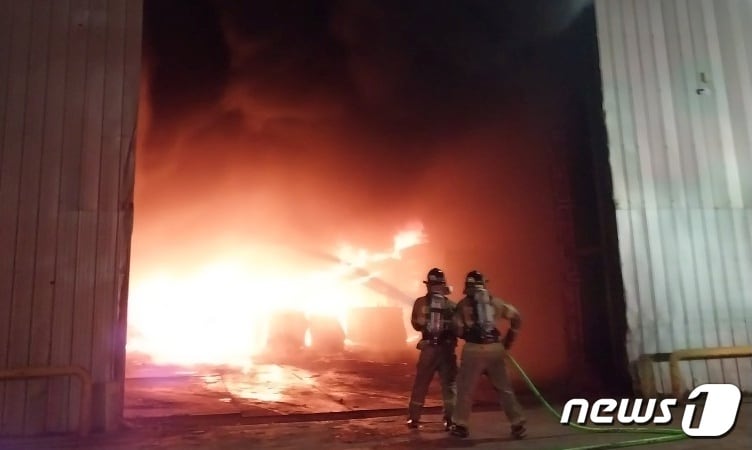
{"points": [[629, 274], [698, 135], [62, 318], [691, 295], [703, 182], [681, 83], [644, 219], [730, 292], [734, 288], [88, 195], [722, 114], [6, 29], [59, 407], [106, 289], [96, 58], [44, 289], [744, 14], [626, 122], [15, 282], [686, 248], [717, 278], [6, 241], [655, 170], [646, 118], [626, 152], [127, 179], [81, 337], [707, 111], [673, 182], [743, 223], [713, 121], [611, 104], [126, 182], [739, 85], [716, 193], [28, 214], [7, 238], [674, 179], [706, 315], [611, 56], [68, 103]]}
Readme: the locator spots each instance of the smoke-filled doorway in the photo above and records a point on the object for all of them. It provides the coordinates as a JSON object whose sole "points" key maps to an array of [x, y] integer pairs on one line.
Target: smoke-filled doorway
{"points": [[300, 169]]}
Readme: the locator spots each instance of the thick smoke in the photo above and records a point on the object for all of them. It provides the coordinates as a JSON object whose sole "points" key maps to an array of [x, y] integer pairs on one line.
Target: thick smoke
{"points": [[298, 125], [286, 118]]}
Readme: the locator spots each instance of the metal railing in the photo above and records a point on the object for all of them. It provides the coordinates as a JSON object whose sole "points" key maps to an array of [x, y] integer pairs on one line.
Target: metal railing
{"points": [[84, 418], [645, 362]]}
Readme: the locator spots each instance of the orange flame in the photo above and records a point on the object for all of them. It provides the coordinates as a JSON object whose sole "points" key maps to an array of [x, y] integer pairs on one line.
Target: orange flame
{"points": [[220, 313]]}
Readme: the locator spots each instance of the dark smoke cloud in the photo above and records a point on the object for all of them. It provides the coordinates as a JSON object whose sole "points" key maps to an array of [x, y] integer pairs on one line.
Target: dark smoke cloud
{"points": [[299, 124], [341, 106], [392, 67]]}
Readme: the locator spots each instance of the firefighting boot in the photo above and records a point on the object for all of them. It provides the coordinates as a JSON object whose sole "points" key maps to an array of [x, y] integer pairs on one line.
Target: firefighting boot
{"points": [[448, 423], [413, 423], [519, 431], [459, 431]]}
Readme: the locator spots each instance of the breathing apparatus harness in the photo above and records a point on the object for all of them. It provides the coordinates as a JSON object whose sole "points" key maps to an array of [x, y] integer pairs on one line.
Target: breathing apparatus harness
{"points": [[438, 328], [483, 330], [482, 312]]}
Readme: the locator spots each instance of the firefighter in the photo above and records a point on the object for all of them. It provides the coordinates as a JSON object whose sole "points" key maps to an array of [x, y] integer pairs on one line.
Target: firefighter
{"points": [[432, 315], [484, 352]]}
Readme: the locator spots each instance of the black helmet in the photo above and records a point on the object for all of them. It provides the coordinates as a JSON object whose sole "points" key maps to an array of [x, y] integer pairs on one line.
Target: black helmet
{"points": [[474, 279], [435, 276]]}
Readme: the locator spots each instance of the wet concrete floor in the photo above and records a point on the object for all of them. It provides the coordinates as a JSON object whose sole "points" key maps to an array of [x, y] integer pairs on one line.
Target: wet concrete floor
{"points": [[273, 387], [336, 402], [489, 431]]}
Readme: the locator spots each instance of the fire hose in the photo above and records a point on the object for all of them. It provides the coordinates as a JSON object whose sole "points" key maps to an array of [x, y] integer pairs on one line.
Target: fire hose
{"points": [[664, 434]]}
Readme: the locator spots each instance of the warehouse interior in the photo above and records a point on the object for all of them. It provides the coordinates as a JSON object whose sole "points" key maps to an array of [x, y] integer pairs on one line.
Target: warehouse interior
{"points": [[351, 233], [223, 208]]}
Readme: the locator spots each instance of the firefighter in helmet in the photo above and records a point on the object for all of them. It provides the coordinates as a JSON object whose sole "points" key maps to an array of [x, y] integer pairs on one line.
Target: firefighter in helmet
{"points": [[432, 316], [484, 352]]}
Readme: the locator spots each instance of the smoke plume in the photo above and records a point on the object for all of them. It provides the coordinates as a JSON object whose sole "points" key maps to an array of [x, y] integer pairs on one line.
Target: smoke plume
{"points": [[288, 118]]}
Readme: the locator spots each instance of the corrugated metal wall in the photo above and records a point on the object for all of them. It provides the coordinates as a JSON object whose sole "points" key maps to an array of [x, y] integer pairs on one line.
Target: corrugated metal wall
{"points": [[677, 82], [69, 74]]}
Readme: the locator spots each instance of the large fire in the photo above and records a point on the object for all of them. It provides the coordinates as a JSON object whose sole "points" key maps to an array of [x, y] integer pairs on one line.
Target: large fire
{"points": [[218, 313]]}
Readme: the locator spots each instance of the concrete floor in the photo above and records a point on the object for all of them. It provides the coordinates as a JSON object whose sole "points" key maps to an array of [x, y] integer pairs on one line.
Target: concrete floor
{"points": [[489, 431], [343, 402], [273, 387]]}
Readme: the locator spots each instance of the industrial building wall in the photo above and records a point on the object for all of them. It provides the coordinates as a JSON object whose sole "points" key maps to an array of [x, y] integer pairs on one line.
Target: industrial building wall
{"points": [[677, 87], [69, 73]]}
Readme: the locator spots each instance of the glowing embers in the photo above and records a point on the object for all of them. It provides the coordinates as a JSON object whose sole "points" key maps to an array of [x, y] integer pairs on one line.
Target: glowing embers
{"points": [[269, 382], [263, 383]]}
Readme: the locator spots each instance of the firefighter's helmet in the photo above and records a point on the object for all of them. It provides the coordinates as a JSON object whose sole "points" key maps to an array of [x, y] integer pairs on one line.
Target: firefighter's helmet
{"points": [[435, 277], [474, 279]]}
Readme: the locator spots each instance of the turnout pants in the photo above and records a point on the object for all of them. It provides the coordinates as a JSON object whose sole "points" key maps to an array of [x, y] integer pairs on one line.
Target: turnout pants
{"points": [[488, 359], [439, 358]]}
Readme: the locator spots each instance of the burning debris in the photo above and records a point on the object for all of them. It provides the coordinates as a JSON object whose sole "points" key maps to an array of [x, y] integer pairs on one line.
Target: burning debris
{"points": [[242, 305]]}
